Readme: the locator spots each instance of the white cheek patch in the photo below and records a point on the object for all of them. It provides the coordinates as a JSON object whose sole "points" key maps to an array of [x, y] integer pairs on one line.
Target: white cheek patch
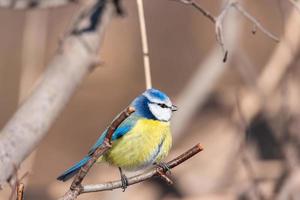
{"points": [[163, 114]]}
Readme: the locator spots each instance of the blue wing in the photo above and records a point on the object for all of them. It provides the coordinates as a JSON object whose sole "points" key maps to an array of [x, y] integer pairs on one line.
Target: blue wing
{"points": [[124, 127]]}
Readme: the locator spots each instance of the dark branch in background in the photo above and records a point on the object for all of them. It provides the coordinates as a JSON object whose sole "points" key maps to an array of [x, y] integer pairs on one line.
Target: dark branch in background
{"points": [[102, 149], [218, 21], [246, 162]]}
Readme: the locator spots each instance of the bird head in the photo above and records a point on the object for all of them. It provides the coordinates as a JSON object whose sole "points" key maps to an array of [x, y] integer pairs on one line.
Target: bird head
{"points": [[154, 104]]}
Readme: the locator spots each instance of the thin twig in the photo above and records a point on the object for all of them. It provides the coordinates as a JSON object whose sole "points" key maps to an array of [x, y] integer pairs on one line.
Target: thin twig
{"points": [[146, 175], [257, 24], [76, 187], [219, 30], [199, 8], [76, 184], [218, 21], [20, 191], [15, 181], [144, 44]]}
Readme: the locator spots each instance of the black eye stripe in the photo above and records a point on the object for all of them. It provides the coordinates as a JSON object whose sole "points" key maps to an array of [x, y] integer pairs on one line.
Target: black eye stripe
{"points": [[163, 105]]}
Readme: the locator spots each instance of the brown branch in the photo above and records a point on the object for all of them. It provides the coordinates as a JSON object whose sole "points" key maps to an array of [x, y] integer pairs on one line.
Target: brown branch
{"points": [[15, 181], [102, 149], [155, 172], [20, 191]]}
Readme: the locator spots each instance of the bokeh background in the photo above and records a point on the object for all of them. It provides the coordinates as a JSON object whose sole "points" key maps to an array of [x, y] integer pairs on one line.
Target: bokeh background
{"points": [[186, 63]]}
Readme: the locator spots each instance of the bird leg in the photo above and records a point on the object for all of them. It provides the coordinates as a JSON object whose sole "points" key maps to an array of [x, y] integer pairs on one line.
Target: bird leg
{"points": [[164, 167], [124, 179]]}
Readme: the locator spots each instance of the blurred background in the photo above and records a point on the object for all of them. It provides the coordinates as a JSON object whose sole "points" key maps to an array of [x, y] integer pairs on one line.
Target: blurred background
{"points": [[244, 112]]}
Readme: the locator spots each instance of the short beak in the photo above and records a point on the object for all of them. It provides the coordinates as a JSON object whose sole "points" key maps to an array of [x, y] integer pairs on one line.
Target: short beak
{"points": [[174, 108]]}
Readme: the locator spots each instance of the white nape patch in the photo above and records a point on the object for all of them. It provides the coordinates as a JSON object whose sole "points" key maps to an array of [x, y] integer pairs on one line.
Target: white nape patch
{"points": [[163, 114]]}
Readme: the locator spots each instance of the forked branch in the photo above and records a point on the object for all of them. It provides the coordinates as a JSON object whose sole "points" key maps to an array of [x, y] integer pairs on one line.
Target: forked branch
{"points": [[218, 21]]}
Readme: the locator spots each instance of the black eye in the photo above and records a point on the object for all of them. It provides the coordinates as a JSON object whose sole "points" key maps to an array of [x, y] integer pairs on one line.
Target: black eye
{"points": [[162, 105]]}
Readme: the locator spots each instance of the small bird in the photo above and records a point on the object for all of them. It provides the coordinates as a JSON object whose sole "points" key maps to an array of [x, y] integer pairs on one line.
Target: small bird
{"points": [[143, 139]]}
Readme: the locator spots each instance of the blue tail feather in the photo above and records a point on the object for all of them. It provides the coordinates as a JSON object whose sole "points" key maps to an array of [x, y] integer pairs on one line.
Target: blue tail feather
{"points": [[69, 173]]}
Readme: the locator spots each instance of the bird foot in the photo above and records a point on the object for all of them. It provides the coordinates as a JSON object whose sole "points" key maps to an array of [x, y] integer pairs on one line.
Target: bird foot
{"points": [[124, 181], [164, 167]]}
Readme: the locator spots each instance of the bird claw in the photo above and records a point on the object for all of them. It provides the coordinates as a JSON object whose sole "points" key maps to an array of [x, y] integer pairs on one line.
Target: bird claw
{"points": [[164, 167], [124, 181]]}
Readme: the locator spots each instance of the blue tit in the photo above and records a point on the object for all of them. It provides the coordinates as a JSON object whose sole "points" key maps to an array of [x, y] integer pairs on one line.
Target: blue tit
{"points": [[142, 139]]}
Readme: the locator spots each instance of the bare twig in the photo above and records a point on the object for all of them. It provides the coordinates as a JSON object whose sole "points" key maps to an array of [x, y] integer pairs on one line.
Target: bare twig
{"points": [[204, 79], [76, 187], [76, 184], [199, 8], [144, 176], [219, 29], [15, 181], [20, 191], [218, 21], [65, 72], [256, 23], [144, 44]]}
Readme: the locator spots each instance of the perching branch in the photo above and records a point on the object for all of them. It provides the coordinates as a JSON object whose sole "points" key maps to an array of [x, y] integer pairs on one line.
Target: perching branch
{"points": [[66, 71], [155, 172], [218, 21], [29, 4], [76, 187], [102, 149], [144, 176]]}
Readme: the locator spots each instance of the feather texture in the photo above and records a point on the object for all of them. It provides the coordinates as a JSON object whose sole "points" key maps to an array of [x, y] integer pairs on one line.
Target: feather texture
{"points": [[149, 141], [141, 139]]}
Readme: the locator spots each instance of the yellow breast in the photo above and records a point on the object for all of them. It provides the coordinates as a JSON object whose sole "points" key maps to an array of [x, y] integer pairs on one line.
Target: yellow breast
{"points": [[149, 141]]}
